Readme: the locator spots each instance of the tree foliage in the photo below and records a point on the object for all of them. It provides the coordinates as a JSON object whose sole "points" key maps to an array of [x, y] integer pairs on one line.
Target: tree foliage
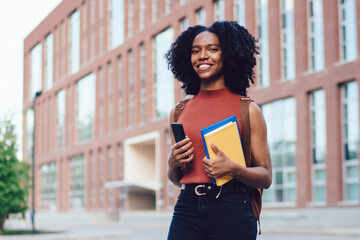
{"points": [[14, 175]]}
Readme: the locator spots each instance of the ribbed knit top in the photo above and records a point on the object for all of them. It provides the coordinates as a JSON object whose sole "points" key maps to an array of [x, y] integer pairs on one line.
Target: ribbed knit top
{"points": [[203, 110]]}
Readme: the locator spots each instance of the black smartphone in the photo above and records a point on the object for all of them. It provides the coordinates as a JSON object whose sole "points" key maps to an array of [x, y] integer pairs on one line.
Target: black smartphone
{"points": [[178, 131]]}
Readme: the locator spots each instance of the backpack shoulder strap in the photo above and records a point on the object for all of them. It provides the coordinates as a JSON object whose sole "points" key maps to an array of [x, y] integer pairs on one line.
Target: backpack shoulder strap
{"points": [[177, 110], [245, 125]]}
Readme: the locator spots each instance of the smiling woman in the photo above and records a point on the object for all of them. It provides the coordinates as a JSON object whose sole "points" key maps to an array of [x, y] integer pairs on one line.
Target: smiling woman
{"points": [[216, 65]]}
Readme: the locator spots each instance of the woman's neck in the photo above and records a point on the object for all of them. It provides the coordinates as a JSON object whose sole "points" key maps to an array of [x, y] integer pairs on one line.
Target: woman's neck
{"points": [[212, 85]]}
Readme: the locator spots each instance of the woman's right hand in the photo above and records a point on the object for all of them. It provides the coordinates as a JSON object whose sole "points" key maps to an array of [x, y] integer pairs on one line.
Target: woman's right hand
{"points": [[181, 153]]}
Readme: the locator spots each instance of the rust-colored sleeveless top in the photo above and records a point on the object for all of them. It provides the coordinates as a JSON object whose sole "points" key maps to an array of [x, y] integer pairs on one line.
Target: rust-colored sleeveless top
{"points": [[203, 110]]}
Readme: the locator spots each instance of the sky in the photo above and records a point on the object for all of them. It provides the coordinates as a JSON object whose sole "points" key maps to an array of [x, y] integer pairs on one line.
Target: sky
{"points": [[18, 18]]}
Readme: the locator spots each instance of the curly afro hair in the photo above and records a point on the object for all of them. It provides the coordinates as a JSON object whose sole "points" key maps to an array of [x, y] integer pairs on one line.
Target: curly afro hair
{"points": [[238, 46]]}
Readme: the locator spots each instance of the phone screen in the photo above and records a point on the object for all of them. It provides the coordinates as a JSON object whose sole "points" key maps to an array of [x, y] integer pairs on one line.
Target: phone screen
{"points": [[178, 131]]}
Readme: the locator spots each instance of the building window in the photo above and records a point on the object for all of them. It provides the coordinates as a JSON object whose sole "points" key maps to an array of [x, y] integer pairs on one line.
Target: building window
{"points": [[219, 10], [131, 18], [154, 10], [350, 136], [164, 86], [101, 179], [101, 25], [168, 6], [110, 97], [35, 70], [48, 199], [143, 92], [316, 35], [280, 117], [92, 29], [348, 30], [64, 40], [201, 17], [74, 42], [85, 108], [184, 24], [101, 101], [60, 119], [263, 30], [84, 45], [110, 178], [182, 2], [120, 90], [142, 14], [77, 182], [49, 61], [287, 40], [131, 89], [318, 145], [92, 180], [29, 133], [239, 11], [117, 21]]}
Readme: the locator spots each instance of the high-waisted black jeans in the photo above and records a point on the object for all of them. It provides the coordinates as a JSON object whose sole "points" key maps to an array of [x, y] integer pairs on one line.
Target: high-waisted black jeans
{"points": [[205, 217]]}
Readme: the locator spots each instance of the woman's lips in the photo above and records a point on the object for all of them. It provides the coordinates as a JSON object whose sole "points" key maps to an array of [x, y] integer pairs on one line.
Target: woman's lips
{"points": [[204, 67]]}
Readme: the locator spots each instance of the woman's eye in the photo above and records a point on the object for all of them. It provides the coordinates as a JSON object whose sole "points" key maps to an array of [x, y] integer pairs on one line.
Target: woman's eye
{"points": [[214, 49], [194, 51]]}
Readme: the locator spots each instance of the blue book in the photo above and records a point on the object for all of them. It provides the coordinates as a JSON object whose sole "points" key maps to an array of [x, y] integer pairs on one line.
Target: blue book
{"points": [[226, 136]]}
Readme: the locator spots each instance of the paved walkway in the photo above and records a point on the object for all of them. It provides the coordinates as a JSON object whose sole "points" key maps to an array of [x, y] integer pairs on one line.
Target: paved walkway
{"points": [[135, 225]]}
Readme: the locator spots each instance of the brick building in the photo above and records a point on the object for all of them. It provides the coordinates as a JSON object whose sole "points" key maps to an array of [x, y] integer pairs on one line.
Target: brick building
{"points": [[101, 132]]}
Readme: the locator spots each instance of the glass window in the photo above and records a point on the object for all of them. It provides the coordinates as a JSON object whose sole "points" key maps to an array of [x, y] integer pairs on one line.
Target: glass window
{"points": [[262, 25], [184, 24], [48, 199], [49, 61], [116, 28], [110, 169], [287, 40], [92, 32], [86, 92], [74, 42], [182, 2], [60, 119], [84, 27], [168, 6], [142, 14], [101, 32], [318, 145], [143, 92], [350, 135], [131, 89], [35, 70], [201, 17], [164, 81], [29, 133], [120, 90], [110, 97], [239, 11], [101, 101], [77, 182], [316, 35], [280, 117], [154, 10], [93, 180], [348, 30], [101, 179], [131, 18], [219, 10]]}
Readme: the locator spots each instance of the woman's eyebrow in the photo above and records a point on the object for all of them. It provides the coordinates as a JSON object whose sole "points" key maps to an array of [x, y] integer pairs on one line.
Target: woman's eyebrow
{"points": [[208, 45]]}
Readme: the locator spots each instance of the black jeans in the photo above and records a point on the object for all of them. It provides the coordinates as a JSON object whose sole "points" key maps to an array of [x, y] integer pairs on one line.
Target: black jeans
{"points": [[206, 217]]}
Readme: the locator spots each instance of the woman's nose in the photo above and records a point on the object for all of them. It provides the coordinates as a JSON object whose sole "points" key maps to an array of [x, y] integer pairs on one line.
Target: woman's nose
{"points": [[203, 54]]}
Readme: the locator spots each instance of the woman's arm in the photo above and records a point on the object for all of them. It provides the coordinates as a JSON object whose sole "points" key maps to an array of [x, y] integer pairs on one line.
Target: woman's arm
{"points": [[181, 153], [257, 177]]}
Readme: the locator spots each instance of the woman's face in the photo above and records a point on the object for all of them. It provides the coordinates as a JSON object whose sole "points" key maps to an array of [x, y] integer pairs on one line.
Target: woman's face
{"points": [[206, 57]]}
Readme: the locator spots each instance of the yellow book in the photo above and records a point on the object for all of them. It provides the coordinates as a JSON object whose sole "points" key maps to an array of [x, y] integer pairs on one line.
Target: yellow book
{"points": [[225, 135]]}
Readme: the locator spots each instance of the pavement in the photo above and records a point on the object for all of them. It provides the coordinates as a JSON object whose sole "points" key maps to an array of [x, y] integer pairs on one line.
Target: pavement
{"points": [[142, 225]]}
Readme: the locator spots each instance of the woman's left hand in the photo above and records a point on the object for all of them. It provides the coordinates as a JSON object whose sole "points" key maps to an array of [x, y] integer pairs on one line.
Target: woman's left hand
{"points": [[219, 166]]}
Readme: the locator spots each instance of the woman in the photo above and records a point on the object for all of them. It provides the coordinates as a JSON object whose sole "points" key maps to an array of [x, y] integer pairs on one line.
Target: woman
{"points": [[215, 65]]}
